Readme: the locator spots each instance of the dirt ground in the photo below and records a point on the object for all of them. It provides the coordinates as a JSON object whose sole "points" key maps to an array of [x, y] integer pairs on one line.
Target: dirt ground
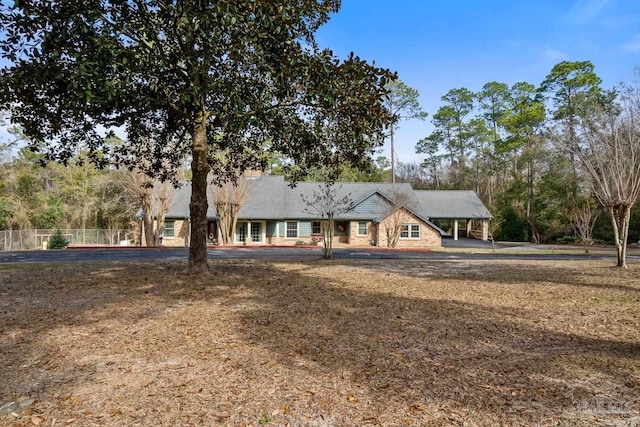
{"points": [[321, 343]]}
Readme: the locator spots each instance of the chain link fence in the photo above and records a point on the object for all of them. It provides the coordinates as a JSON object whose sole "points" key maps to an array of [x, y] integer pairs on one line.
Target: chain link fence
{"points": [[22, 240]]}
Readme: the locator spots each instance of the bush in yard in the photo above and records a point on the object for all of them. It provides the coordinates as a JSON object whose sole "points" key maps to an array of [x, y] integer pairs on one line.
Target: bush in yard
{"points": [[57, 241], [514, 226]]}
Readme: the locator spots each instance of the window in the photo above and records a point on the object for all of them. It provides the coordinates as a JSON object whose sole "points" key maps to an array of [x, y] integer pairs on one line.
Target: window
{"points": [[362, 228], [256, 232], [315, 227], [241, 232], [292, 230], [253, 230], [169, 229], [410, 231]]}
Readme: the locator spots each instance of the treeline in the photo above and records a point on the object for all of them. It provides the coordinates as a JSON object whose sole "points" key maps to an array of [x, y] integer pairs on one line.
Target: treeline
{"points": [[516, 147], [49, 195], [35, 195], [508, 143]]}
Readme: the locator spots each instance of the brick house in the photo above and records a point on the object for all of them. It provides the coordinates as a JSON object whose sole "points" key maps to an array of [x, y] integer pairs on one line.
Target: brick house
{"points": [[274, 213]]}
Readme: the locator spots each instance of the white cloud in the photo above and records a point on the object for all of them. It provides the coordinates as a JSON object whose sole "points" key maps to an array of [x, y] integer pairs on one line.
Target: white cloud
{"points": [[554, 55], [633, 45], [584, 11]]}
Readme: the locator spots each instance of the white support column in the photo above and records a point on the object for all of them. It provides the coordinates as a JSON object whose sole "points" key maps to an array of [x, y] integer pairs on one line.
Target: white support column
{"points": [[455, 229], [485, 229]]}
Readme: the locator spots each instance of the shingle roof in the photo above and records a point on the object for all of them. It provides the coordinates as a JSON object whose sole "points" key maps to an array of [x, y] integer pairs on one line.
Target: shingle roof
{"points": [[264, 200], [270, 197], [451, 204], [179, 207]]}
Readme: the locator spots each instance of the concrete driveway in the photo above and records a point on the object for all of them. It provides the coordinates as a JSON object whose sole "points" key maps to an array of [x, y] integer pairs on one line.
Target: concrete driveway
{"points": [[448, 242]]}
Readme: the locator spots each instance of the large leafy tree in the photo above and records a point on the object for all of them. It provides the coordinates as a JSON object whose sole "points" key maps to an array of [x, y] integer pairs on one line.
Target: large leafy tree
{"points": [[451, 126], [573, 87], [570, 85], [493, 99], [523, 119], [221, 84], [430, 147]]}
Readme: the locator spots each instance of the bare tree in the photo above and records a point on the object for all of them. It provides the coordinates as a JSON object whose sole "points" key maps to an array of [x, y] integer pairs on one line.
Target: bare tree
{"points": [[161, 199], [15, 216], [415, 174], [398, 205], [154, 198], [228, 198], [607, 147], [493, 227], [326, 203], [116, 208], [583, 218]]}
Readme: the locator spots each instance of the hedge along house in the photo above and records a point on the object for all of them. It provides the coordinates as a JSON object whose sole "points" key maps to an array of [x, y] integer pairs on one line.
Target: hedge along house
{"points": [[274, 213]]}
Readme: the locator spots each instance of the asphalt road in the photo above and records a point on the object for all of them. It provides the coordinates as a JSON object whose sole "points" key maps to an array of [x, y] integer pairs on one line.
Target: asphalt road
{"points": [[293, 253]]}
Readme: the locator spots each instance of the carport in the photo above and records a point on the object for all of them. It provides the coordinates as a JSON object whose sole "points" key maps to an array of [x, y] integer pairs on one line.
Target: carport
{"points": [[462, 207]]}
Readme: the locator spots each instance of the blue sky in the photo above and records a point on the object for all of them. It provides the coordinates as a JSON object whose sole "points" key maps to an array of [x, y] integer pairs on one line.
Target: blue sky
{"points": [[436, 46]]}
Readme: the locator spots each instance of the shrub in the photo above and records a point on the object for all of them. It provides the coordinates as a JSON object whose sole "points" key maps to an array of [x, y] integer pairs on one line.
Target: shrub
{"points": [[514, 226], [569, 239], [57, 241]]}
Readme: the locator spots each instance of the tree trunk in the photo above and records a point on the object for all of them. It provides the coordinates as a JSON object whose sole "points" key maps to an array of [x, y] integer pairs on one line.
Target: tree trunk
{"points": [[626, 216], [147, 220], [223, 220], [198, 205], [327, 228], [163, 197], [235, 210], [393, 156], [620, 215], [160, 225], [531, 206]]}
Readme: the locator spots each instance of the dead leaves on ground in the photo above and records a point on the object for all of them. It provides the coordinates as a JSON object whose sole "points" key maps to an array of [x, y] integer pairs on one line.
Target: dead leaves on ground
{"points": [[353, 343]]}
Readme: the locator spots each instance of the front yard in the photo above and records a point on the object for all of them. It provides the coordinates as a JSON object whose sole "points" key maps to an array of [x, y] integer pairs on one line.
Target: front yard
{"points": [[381, 343]]}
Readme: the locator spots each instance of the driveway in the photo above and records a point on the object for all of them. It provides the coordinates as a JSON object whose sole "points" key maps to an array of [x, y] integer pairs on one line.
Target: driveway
{"points": [[293, 253], [448, 242]]}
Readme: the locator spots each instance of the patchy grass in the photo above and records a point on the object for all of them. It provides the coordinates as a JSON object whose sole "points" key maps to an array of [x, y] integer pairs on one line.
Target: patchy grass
{"points": [[385, 343]]}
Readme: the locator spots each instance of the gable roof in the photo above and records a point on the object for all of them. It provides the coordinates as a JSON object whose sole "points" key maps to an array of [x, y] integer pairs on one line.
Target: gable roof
{"points": [[452, 204], [358, 192]]}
